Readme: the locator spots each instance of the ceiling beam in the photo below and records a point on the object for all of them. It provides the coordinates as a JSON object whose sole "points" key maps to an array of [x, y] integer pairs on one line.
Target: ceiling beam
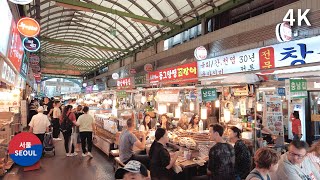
{"points": [[213, 12], [63, 68], [73, 57], [116, 12], [61, 76], [64, 65], [58, 41]]}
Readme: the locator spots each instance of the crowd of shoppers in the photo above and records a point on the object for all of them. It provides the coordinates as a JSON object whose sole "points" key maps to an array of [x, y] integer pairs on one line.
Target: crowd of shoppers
{"points": [[75, 124]]}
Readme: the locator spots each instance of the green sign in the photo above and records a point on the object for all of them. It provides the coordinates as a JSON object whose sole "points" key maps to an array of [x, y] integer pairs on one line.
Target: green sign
{"points": [[209, 94], [140, 80], [298, 88], [121, 94]]}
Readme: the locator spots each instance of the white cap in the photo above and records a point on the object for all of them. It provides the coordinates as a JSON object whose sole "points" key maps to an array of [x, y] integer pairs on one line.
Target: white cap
{"points": [[40, 109]]}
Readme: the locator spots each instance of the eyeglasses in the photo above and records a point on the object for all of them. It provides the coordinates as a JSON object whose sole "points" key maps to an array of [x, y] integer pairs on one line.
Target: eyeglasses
{"points": [[298, 155]]}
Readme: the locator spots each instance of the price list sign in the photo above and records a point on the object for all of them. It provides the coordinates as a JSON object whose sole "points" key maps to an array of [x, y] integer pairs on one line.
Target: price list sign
{"points": [[184, 73]]}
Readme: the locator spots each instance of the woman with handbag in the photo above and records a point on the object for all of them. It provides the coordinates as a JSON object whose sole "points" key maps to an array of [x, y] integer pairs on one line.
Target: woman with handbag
{"points": [[67, 128]]}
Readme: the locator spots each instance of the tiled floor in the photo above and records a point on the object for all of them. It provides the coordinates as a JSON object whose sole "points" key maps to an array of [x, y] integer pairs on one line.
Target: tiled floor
{"points": [[60, 167]]}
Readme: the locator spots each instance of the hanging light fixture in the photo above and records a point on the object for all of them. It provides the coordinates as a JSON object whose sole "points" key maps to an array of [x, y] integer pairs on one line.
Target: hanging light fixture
{"points": [[217, 103], [204, 112], [191, 106], [177, 112]]}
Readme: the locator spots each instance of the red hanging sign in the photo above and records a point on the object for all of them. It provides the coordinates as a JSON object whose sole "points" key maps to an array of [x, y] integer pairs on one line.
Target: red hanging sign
{"points": [[124, 83], [16, 49], [184, 73], [28, 27], [266, 57]]}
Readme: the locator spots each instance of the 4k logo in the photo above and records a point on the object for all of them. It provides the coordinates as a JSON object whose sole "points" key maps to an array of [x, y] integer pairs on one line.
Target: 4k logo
{"points": [[301, 17]]}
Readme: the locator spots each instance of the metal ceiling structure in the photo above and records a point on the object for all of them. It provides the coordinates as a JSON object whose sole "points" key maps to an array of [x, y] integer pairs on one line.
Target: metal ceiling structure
{"points": [[79, 36]]}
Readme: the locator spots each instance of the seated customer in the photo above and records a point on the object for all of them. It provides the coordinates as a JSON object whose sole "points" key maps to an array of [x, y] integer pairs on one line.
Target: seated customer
{"points": [[161, 164], [146, 123], [266, 161], [183, 122], [164, 122], [194, 122], [221, 156], [126, 142], [132, 170], [296, 165]]}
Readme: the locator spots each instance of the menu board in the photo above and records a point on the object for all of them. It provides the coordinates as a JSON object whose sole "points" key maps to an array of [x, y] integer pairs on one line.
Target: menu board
{"points": [[273, 114], [5, 24]]}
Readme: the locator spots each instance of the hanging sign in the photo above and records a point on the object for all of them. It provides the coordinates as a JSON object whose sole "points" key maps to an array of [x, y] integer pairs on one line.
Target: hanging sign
{"points": [[34, 59], [31, 44], [133, 71], [16, 51], [121, 94], [148, 67], [298, 88], [5, 24], [183, 73], [28, 27], [243, 107], [282, 91], [8, 74], [124, 83], [140, 80], [240, 91], [168, 96], [115, 76], [209, 94], [22, 2], [200, 53], [24, 66], [284, 32], [273, 111]]}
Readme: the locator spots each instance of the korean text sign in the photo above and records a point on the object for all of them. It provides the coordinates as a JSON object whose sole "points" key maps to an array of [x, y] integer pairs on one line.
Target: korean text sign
{"points": [[291, 53], [298, 88], [124, 83], [209, 94], [184, 73]]}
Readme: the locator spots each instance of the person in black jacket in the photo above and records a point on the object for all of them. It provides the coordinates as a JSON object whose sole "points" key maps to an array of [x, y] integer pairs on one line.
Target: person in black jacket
{"points": [[242, 154], [161, 162]]}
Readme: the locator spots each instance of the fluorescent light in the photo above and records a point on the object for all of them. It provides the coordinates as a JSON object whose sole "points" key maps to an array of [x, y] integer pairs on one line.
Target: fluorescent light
{"points": [[267, 88]]}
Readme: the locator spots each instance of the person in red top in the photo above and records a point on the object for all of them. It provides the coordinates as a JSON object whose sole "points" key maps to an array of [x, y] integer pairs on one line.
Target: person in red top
{"points": [[296, 126], [67, 112]]}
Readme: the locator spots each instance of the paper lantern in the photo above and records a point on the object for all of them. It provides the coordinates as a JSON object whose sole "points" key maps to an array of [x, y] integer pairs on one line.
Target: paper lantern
{"points": [[191, 106], [162, 109], [204, 112], [177, 112], [217, 103]]}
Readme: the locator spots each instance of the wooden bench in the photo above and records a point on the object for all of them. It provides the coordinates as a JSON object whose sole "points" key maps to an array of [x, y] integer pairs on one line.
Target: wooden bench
{"points": [[117, 163], [115, 153]]}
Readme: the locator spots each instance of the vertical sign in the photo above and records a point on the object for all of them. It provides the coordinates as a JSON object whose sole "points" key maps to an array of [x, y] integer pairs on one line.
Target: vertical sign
{"points": [[298, 88], [273, 111], [209, 94], [243, 107], [266, 56]]}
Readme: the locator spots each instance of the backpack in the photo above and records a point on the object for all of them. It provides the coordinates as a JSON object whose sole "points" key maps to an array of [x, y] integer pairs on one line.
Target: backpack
{"points": [[66, 125]]}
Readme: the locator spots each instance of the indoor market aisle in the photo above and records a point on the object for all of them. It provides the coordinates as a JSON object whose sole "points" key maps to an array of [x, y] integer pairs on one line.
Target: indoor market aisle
{"points": [[67, 168]]}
